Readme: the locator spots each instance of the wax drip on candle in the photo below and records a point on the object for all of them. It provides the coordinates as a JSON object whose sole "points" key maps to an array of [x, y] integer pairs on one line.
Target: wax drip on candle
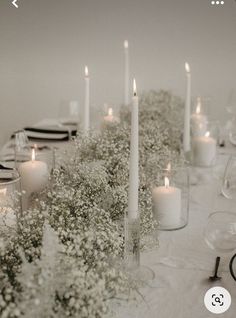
{"points": [[126, 44], [134, 87], [86, 71], [207, 134], [167, 182], [187, 67]]}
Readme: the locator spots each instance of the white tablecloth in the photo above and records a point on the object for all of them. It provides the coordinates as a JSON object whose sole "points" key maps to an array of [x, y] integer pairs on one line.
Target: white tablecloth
{"points": [[183, 262]]}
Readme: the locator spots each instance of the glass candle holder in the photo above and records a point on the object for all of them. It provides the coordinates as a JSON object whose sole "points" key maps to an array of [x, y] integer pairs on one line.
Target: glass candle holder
{"points": [[10, 198], [132, 243], [21, 147], [135, 271], [204, 147], [170, 197], [228, 187], [199, 117], [42, 153]]}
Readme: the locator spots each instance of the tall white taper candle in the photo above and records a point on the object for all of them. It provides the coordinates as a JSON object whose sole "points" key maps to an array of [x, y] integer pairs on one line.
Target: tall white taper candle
{"points": [[126, 75], [134, 159], [186, 137], [86, 101]]}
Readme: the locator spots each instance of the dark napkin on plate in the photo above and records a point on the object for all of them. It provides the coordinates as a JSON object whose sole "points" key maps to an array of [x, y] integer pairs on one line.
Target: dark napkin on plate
{"points": [[48, 133]]}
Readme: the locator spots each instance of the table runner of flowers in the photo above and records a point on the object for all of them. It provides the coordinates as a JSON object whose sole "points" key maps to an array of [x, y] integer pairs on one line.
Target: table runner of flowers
{"points": [[64, 258]]}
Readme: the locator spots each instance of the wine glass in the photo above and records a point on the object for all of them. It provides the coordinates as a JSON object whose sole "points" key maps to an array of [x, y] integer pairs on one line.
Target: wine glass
{"points": [[69, 113], [231, 102], [220, 231], [232, 267], [21, 147], [231, 109], [228, 188]]}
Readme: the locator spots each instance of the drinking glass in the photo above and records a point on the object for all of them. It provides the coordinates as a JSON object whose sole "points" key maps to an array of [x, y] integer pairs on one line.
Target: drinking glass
{"points": [[232, 267], [228, 187], [69, 113], [231, 102], [231, 109], [220, 231], [232, 131]]}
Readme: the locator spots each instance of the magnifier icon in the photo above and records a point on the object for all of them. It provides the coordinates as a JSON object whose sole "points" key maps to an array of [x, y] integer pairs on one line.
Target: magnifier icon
{"points": [[217, 300]]}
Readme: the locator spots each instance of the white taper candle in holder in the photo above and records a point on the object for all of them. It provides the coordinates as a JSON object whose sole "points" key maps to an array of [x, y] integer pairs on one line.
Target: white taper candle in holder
{"points": [[87, 101], [186, 137], [126, 74], [132, 222], [134, 159]]}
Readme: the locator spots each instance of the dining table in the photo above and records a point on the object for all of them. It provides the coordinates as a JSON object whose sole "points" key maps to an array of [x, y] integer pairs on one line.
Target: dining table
{"points": [[182, 262]]}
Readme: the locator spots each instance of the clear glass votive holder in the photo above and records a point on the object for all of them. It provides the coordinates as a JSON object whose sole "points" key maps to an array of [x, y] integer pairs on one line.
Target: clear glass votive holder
{"points": [[41, 153], [170, 198], [199, 118], [10, 198], [204, 147]]}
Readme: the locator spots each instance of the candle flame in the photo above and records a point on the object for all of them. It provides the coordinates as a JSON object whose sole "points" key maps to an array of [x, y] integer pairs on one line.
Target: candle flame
{"points": [[168, 168], [3, 191], [199, 104], [33, 154], [126, 44], [167, 182], [207, 134], [86, 70], [134, 87], [187, 67], [110, 111]]}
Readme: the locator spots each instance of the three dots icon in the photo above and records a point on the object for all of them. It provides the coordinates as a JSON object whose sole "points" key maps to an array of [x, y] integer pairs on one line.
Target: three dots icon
{"points": [[217, 2]]}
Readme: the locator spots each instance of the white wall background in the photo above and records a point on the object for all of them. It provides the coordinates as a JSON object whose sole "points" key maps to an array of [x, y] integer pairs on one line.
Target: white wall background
{"points": [[44, 45]]}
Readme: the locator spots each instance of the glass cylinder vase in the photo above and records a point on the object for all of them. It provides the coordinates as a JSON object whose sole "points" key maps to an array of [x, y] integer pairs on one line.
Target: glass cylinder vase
{"points": [[204, 147], [170, 197], [10, 199], [199, 118]]}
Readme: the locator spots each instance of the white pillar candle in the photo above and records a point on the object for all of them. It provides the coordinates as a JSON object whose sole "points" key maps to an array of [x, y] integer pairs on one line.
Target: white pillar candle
{"points": [[186, 137], [134, 159], [167, 205], [34, 175], [204, 150], [198, 121], [87, 101], [126, 73]]}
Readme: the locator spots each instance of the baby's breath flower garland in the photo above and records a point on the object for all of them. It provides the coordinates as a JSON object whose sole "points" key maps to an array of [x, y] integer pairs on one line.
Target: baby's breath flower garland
{"points": [[62, 262]]}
